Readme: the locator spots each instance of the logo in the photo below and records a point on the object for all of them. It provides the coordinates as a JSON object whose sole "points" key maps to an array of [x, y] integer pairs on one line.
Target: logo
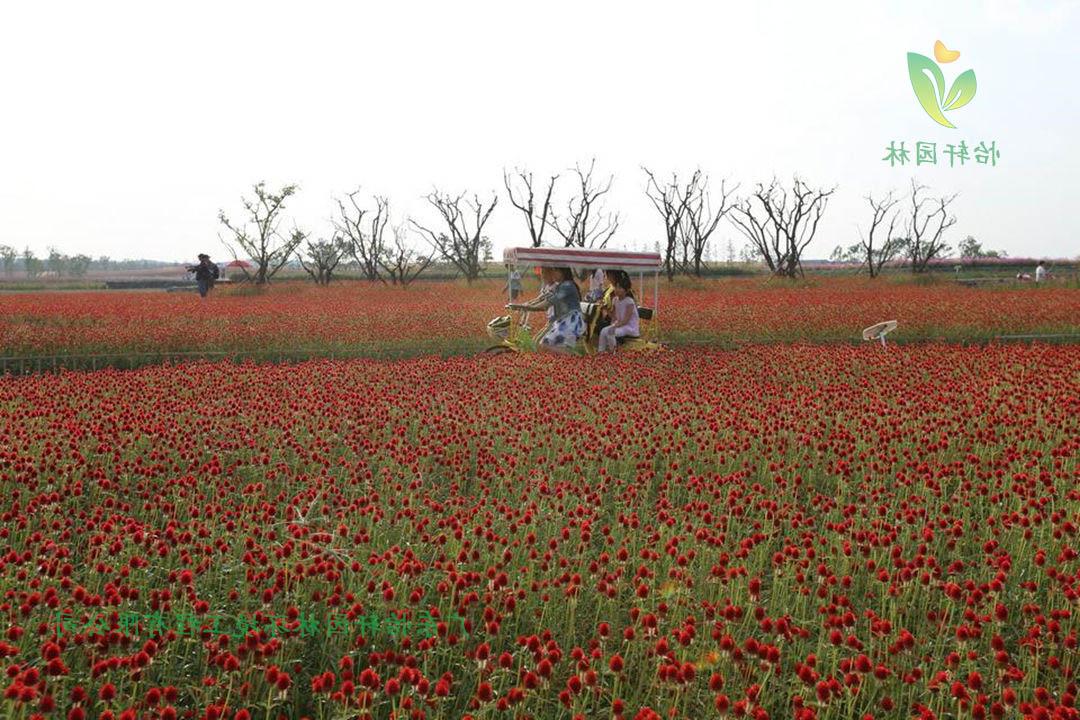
{"points": [[929, 84]]}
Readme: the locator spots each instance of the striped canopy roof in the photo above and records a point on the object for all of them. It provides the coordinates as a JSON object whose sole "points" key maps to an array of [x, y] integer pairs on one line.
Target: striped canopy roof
{"points": [[583, 258]]}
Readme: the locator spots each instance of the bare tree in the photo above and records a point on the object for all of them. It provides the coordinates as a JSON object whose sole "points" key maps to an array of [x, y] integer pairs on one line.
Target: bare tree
{"points": [[586, 223], [365, 247], [402, 263], [700, 219], [267, 248], [527, 203], [320, 258], [670, 201], [880, 244], [783, 224], [463, 244], [927, 223]]}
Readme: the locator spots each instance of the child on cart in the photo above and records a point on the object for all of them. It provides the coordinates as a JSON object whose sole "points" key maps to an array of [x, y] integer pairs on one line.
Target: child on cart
{"points": [[624, 315]]}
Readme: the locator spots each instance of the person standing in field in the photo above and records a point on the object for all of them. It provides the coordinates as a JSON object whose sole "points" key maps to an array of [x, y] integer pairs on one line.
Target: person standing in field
{"points": [[206, 273], [547, 287], [513, 285], [1040, 272]]}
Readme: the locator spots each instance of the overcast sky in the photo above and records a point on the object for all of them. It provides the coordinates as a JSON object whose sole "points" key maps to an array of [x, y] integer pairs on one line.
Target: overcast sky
{"points": [[126, 126]]}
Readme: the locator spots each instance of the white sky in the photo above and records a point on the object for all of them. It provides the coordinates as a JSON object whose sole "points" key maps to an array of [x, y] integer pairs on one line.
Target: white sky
{"points": [[125, 126]]}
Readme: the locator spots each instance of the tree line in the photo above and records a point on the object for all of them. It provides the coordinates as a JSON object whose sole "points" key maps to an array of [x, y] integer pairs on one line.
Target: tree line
{"points": [[55, 263], [58, 264], [357, 233], [778, 221], [570, 209], [910, 229]]}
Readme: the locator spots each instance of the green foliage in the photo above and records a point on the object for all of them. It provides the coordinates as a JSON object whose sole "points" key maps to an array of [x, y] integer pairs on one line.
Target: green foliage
{"points": [[8, 254], [77, 265], [31, 264], [524, 341], [972, 249]]}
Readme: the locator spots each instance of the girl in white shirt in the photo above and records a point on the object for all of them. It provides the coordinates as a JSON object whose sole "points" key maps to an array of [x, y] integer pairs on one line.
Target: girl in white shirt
{"points": [[624, 321]]}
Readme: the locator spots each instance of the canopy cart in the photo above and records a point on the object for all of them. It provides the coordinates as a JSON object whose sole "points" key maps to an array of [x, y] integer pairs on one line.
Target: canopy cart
{"points": [[513, 330]]}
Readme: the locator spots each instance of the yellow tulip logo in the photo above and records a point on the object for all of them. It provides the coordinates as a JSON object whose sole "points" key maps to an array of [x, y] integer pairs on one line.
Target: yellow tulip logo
{"points": [[943, 54]]}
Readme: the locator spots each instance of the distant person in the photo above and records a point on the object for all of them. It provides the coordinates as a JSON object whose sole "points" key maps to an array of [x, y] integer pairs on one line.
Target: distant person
{"points": [[1040, 272], [548, 283], [513, 285], [206, 273]]}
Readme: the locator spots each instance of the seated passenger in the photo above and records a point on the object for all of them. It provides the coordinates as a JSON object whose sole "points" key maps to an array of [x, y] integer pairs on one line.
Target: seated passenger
{"points": [[600, 312], [624, 320]]}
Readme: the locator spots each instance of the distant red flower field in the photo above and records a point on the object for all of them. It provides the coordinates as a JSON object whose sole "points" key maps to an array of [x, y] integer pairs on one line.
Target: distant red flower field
{"points": [[779, 531], [435, 316]]}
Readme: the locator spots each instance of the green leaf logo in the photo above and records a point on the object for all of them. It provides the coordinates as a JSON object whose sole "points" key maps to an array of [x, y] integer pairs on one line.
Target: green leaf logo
{"points": [[929, 84]]}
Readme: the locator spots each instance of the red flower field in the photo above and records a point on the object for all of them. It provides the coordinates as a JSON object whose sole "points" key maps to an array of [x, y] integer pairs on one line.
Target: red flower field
{"points": [[778, 531], [438, 317]]}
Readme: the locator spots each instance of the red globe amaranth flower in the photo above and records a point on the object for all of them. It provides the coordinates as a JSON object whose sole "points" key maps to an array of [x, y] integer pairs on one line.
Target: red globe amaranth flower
{"points": [[616, 663], [288, 315], [768, 501]]}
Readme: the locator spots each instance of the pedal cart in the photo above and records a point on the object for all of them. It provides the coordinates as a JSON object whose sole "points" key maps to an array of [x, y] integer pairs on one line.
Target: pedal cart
{"points": [[516, 335]]}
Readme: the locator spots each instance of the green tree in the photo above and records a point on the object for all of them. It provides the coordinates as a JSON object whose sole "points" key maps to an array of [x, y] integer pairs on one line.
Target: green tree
{"points": [[321, 258], [31, 264], [56, 262], [9, 255], [77, 265], [971, 249], [850, 254]]}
